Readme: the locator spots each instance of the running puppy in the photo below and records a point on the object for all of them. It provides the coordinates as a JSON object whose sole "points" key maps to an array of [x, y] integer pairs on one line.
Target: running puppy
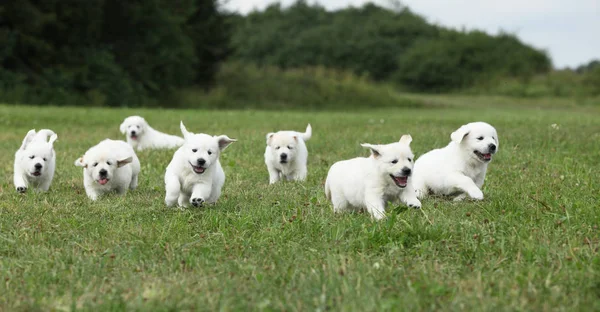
{"points": [[109, 166], [141, 136], [286, 155], [195, 175], [35, 161], [369, 183], [458, 169]]}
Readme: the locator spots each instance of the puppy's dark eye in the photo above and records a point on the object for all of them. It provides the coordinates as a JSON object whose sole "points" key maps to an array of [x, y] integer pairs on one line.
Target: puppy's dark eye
{"points": [[44, 158], [194, 150], [480, 138], [395, 161], [95, 164], [137, 127], [409, 159], [109, 163], [289, 147], [31, 157], [277, 147], [209, 153]]}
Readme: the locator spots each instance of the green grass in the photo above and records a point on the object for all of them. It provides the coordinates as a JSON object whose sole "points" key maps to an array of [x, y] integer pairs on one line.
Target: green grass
{"points": [[532, 244]]}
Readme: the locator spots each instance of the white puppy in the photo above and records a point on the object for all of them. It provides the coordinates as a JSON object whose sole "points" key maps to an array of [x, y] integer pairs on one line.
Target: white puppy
{"points": [[109, 166], [195, 175], [35, 161], [286, 155], [459, 168], [371, 182], [141, 136]]}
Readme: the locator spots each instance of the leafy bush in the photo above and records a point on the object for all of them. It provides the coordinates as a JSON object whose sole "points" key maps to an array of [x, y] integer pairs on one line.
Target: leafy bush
{"points": [[118, 52], [459, 60], [364, 40], [241, 85]]}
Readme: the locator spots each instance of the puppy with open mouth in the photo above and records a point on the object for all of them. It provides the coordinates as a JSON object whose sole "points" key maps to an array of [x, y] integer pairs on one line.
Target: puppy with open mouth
{"points": [[35, 161], [141, 136], [194, 175], [458, 169], [369, 183], [286, 155], [111, 165]]}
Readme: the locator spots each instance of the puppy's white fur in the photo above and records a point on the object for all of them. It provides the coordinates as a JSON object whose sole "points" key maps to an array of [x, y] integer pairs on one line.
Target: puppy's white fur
{"points": [[195, 175], [109, 166], [35, 161], [286, 155], [369, 183], [459, 168], [141, 136]]}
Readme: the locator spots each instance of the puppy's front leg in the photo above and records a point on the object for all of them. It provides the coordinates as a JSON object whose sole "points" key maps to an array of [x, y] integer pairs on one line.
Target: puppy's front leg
{"points": [[183, 200], [20, 182], [375, 205], [466, 185], [173, 188], [91, 193], [200, 192], [300, 174], [409, 197], [274, 175], [44, 187]]}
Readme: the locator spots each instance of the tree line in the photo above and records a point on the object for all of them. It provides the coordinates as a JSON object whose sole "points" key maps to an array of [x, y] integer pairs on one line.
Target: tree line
{"points": [[126, 52]]}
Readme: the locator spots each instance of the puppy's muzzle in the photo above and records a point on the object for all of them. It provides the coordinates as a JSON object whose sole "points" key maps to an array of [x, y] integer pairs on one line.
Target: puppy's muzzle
{"points": [[199, 167], [103, 176], [38, 169], [402, 180], [283, 158], [133, 135]]}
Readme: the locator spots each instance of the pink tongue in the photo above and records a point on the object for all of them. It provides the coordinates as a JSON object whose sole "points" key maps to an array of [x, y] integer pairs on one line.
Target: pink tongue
{"points": [[103, 181], [199, 169], [134, 137], [487, 156], [402, 180]]}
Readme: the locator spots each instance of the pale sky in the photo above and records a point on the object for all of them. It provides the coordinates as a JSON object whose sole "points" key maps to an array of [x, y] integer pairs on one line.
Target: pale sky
{"points": [[568, 29]]}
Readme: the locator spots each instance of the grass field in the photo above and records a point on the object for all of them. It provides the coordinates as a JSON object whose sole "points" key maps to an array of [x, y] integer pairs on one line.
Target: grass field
{"points": [[532, 244]]}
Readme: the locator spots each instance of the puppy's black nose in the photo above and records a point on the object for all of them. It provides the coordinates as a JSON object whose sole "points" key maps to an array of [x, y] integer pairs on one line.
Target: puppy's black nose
{"points": [[406, 171], [283, 156], [132, 132], [102, 172], [492, 147], [201, 161], [38, 166]]}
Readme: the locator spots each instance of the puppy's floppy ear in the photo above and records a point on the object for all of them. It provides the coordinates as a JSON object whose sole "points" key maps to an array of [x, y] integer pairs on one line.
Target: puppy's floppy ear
{"points": [[79, 162], [123, 162], [184, 131], [144, 123], [458, 135], [374, 149], [52, 139], [28, 137], [123, 127], [224, 141], [406, 139], [269, 137]]}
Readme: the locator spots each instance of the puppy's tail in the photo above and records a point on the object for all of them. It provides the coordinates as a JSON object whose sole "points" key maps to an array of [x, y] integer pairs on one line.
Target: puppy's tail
{"points": [[306, 135], [42, 136]]}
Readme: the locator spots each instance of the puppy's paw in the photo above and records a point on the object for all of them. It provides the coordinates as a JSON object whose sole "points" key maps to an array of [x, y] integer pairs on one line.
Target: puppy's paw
{"points": [[378, 215], [197, 202], [21, 189], [476, 194], [413, 203]]}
